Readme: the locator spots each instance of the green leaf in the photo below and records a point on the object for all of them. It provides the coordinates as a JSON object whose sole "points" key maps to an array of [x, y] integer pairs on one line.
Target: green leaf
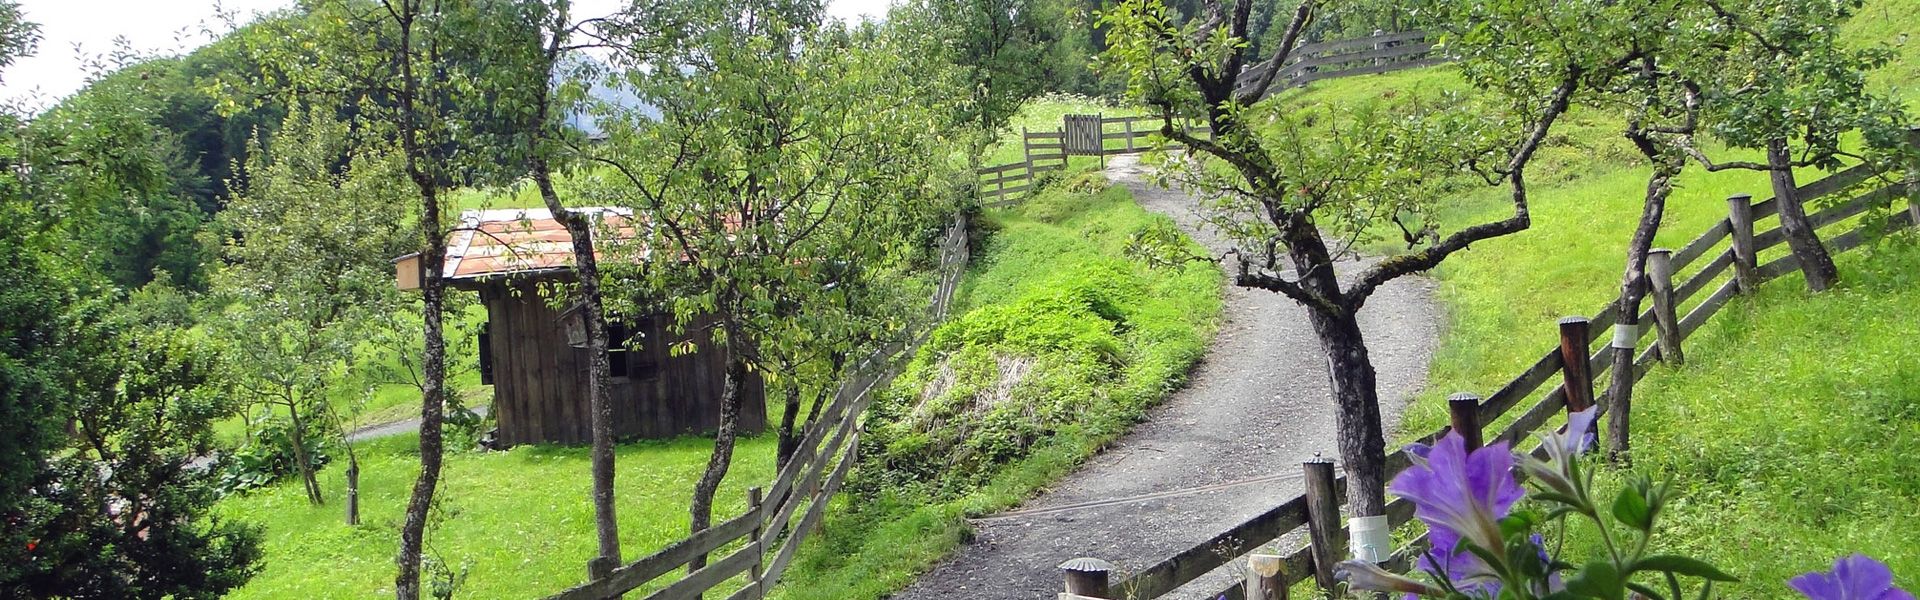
{"points": [[1681, 565], [1598, 580], [1630, 507]]}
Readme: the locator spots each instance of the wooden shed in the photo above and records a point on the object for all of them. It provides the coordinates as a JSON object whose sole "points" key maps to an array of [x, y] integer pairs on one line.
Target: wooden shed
{"points": [[538, 376]]}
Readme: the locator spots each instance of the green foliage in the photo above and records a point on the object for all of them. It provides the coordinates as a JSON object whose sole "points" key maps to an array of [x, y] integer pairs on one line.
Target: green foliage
{"points": [[266, 458], [1033, 376]]}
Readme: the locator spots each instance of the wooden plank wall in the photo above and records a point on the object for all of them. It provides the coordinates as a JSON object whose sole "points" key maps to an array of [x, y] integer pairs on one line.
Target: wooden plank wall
{"points": [[539, 381]]}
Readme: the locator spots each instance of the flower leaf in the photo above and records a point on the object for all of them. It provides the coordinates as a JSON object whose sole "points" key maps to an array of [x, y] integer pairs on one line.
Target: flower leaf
{"points": [[1630, 507], [1598, 580]]}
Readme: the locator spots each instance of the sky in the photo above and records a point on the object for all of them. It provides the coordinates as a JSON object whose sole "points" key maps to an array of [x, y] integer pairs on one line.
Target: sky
{"points": [[77, 33]]}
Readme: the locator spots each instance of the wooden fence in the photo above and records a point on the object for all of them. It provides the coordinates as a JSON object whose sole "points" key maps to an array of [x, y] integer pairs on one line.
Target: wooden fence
{"points": [[1102, 136], [1720, 264], [756, 547]]}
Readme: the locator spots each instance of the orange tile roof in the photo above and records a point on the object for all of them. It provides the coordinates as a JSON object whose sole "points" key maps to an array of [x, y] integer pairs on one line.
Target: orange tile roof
{"points": [[522, 240]]}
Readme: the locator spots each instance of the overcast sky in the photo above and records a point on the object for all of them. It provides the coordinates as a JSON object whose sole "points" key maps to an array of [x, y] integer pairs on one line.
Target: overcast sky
{"points": [[74, 30]]}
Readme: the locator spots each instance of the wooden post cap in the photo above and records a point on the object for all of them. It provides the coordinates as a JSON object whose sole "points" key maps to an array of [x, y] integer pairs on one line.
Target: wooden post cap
{"points": [[1087, 565], [1665, 251], [1574, 319], [1741, 196], [1317, 460], [1459, 397], [1087, 577]]}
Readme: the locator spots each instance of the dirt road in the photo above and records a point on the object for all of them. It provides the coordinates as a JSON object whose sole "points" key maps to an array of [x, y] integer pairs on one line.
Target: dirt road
{"points": [[1255, 407]]}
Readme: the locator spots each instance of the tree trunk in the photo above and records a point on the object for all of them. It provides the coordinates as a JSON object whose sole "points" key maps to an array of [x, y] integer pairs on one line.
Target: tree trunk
{"points": [[1349, 372], [353, 489], [701, 509], [297, 435], [1633, 289], [592, 311], [1815, 263], [790, 415], [433, 370], [1362, 443]]}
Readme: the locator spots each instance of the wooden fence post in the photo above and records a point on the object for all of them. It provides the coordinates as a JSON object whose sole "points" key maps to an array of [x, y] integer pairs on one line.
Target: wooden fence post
{"points": [[1576, 372], [1129, 125], [1464, 408], [1323, 521], [1265, 579], [1026, 149], [1660, 279], [1087, 577], [756, 504], [1745, 264], [1378, 45]]}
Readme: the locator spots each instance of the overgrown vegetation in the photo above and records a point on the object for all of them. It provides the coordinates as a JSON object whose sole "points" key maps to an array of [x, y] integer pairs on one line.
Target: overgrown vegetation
{"points": [[1061, 344]]}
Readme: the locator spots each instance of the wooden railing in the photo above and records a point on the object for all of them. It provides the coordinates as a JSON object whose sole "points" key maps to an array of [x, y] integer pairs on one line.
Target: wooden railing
{"points": [[1046, 151], [759, 544], [1719, 264]]}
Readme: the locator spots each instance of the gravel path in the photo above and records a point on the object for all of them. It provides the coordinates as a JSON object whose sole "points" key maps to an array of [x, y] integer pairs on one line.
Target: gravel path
{"points": [[1257, 405]]}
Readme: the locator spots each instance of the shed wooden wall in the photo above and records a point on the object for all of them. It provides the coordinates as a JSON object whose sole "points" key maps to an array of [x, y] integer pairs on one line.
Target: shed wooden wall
{"points": [[539, 381]]}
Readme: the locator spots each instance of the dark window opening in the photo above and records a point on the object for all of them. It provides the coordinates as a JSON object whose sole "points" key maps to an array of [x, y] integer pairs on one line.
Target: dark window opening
{"points": [[486, 353], [617, 349], [646, 366]]}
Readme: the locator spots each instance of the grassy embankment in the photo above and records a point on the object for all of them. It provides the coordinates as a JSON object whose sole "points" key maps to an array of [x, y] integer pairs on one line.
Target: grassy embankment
{"points": [[519, 522], [1063, 343], [1790, 430]]}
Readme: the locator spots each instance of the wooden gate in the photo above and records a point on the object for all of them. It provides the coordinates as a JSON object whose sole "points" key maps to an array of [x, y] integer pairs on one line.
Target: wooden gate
{"points": [[1083, 135]]}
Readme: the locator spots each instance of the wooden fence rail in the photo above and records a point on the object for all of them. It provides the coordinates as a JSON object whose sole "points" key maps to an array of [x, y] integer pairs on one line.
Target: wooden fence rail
{"points": [[1718, 265], [761, 543], [1102, 136]]}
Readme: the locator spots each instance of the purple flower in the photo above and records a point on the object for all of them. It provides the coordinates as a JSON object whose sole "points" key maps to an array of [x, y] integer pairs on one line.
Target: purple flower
{"points": [[1579, 436], [1463, 493], [1853, 578]]}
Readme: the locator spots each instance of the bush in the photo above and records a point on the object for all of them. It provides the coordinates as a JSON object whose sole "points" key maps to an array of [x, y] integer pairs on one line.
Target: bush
{"points": [[267, 458]]}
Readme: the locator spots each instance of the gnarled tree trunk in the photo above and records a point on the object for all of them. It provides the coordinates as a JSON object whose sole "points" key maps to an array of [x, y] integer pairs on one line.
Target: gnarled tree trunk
{"points": [[1816, 264]]}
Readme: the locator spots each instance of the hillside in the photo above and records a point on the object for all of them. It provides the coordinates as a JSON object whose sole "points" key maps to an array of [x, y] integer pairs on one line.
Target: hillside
{"points": [[1790, 425]]}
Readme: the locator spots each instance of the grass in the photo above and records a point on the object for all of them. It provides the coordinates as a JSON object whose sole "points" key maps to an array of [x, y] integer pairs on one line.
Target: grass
{"points": [[519, 522], [1104, 338], [1788, 432]]}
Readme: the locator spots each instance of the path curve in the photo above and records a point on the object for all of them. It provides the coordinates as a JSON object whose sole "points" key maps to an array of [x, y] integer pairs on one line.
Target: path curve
{"points": [[1255, 407]]}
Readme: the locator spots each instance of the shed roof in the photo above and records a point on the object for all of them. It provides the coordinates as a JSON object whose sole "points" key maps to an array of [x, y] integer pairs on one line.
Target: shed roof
{"points": [[515, 241]]}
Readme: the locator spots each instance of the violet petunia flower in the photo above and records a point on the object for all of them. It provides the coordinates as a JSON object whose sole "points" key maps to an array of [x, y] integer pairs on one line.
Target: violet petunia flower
{"points": [[1853, 578], [1464, 493]]}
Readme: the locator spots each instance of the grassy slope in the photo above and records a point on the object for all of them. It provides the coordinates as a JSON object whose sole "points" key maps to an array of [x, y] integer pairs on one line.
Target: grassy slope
{"points": [[1060, 240], [1791, 424]]}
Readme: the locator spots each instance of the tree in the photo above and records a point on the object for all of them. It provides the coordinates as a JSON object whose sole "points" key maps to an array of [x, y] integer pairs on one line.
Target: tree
{"points": [[1791, 86], [102, 402], [526, 69], [998, 49], [308, 272], [1296, 194], [783, 150]]}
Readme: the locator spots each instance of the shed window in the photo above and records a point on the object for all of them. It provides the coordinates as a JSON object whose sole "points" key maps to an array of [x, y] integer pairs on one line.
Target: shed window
{"points": [[486, 353], [618, 334]]}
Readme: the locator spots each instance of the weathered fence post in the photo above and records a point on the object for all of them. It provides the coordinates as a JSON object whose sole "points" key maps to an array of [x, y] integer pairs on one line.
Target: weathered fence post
{"points": [[756, 505], [1026, 149], [1377, 46], [1740, 220], [1576, 372], [1323, 521], [1464, 408], [1665, 317], [1087, 577], [1129, 125], [1265, 577]]}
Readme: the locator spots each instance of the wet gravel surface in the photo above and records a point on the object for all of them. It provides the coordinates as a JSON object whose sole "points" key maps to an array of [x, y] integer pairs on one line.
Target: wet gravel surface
{"points": [[1255, 407]]}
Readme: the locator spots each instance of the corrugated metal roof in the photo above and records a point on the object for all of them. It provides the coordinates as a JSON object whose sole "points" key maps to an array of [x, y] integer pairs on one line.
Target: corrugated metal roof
{"points": [[521, 240]]}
